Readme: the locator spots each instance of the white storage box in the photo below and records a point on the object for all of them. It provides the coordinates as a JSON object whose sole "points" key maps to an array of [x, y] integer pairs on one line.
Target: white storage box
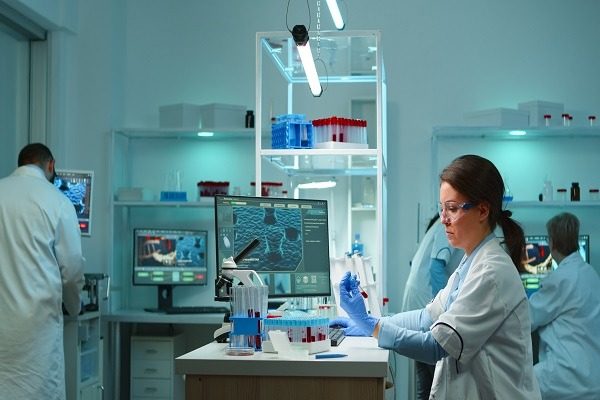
{"points": [[180, 115], [537, 109], [216, 115], [499, 117]]}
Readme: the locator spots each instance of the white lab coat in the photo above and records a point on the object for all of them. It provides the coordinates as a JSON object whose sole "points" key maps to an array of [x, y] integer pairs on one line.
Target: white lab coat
{"points": [[566, 312], [486, 333], [418, 291], [41, 266]]}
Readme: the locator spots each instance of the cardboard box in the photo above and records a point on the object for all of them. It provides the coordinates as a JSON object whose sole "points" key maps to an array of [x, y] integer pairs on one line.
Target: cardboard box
{"points": [[498, 117], [537, 109], [216, 115], [180, 115]]}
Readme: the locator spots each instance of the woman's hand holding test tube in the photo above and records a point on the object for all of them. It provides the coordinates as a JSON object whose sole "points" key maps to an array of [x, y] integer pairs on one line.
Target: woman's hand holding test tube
{"points": [[353, 303]]}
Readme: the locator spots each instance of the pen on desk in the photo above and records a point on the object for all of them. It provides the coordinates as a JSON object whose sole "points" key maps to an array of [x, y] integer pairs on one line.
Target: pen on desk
{"points": [[330, 355]]}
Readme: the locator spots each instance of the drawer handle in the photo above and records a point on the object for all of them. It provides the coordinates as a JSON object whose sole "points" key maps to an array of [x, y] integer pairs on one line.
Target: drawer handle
{"points": [[150, 370], [150, 390], [151, 351]]}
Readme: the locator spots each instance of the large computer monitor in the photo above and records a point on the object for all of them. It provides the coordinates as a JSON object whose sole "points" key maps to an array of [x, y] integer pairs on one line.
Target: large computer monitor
{"points": [[292, 256], [169, 257], [77, 186]]}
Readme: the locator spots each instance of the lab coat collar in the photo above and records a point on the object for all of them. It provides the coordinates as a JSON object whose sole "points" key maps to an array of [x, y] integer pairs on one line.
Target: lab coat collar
{"points": [[573, 258], [30, 170]]}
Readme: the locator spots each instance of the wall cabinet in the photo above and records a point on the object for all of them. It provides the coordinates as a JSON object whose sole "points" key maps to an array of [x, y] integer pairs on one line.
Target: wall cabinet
{"points": [[153, 367], [83, 357], [561, 155], [353, 76]]}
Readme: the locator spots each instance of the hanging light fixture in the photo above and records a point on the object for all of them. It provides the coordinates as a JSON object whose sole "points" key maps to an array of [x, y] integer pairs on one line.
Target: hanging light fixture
{"points": [[334, 10], [300, 35]]}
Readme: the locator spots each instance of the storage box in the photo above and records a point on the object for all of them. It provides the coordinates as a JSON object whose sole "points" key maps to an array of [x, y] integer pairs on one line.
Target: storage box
{"points": [[499, 117], [537, 109], [180, 115], [216, 115]]}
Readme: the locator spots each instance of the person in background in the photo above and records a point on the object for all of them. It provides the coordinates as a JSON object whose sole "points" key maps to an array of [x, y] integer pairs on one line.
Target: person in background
{"points": [[477, 328], [566, 313], [430, 268], [42, 270]]}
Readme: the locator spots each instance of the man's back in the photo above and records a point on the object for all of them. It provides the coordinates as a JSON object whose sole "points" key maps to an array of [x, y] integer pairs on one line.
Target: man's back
{"points": [[41, 266], [566, 310]]}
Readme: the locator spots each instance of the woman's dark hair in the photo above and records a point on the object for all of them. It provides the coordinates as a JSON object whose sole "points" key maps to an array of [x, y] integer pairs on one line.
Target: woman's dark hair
{"points": [[478, 179]]}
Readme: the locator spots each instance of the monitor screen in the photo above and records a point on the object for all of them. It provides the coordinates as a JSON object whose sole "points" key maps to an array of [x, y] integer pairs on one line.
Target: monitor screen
{"points": [[77, 186], [169, 257], [292, 256], [538, 250]]}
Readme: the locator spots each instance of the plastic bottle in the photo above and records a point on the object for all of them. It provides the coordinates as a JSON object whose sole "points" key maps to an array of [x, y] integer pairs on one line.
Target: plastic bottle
{"points": [[548, 191], [357, 246]]}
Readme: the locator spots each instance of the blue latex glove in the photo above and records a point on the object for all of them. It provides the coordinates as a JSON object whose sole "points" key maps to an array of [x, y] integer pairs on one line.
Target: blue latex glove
{"points": [[353, 303], [348, 326]]}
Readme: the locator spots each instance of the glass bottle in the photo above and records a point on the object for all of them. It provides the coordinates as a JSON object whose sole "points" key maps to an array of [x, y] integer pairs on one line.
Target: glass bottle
{"points": [[575, 193], [357, 245]]}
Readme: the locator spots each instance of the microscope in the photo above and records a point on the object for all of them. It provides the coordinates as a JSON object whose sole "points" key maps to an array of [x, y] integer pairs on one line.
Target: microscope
{"points": [[230, 274]]}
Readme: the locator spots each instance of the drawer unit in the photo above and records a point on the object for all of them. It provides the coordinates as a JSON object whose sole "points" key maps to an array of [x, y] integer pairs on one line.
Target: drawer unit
{"points": [[153, 367]]}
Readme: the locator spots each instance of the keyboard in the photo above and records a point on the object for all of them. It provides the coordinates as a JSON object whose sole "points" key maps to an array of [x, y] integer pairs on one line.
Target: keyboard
{"points": [[336, 335], [197, 310]]}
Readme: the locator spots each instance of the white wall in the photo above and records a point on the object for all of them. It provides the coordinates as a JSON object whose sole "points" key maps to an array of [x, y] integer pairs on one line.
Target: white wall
{"points": [[442, 59]]}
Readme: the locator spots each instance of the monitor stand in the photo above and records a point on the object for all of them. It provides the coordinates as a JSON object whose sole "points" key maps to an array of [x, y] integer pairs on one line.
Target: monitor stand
{"points": [[165, 299]]}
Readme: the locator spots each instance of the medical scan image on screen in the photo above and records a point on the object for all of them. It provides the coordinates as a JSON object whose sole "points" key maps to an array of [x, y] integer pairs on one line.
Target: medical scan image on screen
{"points": [[539, 259], [169, 256], [292, 256], [77, 186]]}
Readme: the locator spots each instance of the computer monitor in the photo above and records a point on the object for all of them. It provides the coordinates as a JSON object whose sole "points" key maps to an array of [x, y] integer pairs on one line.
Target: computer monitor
{"points": [[540, 259], [538, 249], [169, 257], [292, 256], [77, 186]]}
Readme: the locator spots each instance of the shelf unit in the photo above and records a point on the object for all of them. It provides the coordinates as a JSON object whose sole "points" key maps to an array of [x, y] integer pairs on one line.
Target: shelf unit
{"points": [[142, 158], [355, 70], [83, 357], [560, 154]]}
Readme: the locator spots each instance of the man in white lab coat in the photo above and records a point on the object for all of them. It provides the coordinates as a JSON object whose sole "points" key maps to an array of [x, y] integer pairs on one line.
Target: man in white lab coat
{"points": [[566, 313], [41, 268]]}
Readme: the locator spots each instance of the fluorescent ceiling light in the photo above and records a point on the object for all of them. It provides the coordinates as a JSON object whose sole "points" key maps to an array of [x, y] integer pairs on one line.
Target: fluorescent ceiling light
{"points": [[317, 185], [517, 133], [205, 134], [300, 35], [334, 10]]}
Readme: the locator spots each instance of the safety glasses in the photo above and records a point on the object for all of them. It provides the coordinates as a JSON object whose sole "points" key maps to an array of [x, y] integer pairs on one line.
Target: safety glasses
{"points": [[452, 211]]}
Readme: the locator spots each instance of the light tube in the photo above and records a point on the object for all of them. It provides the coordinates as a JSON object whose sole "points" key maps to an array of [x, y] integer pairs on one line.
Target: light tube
{"points": [[308, 63], [334, 10], [317, 185]]}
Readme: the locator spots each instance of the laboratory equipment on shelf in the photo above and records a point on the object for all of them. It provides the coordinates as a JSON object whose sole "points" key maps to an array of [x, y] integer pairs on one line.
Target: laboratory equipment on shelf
{"points": [[91, 302]]}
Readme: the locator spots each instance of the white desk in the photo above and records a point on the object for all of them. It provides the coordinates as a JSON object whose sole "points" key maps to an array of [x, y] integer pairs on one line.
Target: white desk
{"points": [[116, 318], [211, 374]]}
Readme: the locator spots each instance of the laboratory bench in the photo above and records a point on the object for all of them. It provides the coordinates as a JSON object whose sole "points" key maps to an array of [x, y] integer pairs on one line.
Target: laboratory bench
{"points": [[211, 374]]}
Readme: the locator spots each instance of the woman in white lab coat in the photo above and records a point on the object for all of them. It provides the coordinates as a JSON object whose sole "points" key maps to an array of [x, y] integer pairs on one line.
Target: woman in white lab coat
{"points": [[566, 313], [477, 329], [41, 268]]}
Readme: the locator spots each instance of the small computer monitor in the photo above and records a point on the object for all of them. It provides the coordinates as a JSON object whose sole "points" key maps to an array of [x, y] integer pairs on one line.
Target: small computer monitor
{"points": [[292, 255], [169, 257], [77, 186]]}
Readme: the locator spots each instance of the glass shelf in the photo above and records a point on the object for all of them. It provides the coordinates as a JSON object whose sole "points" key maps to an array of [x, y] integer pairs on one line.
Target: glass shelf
{"points": [[180, 133], [349, 58], [553, 204], [497, 133], [204, 202], [337, 162]]}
